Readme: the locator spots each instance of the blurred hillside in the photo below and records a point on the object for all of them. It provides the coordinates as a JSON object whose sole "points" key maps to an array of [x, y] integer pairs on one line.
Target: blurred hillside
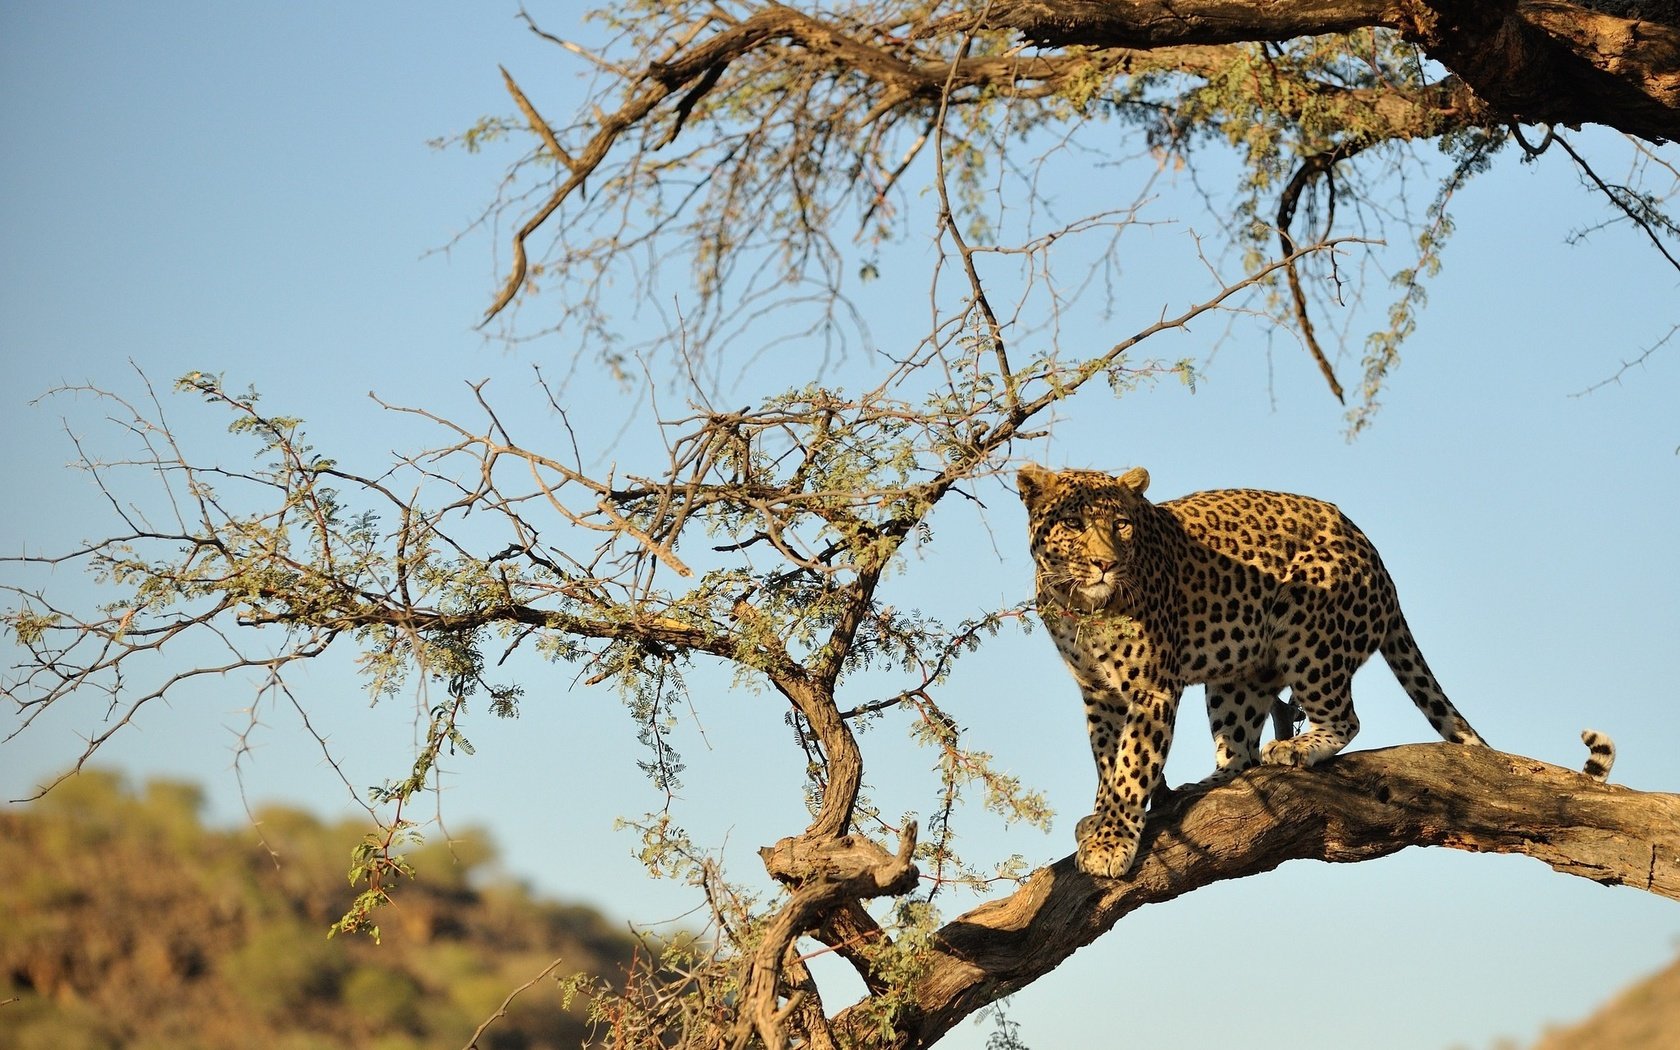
{"points": [[1645, 1016], [125, 922]]}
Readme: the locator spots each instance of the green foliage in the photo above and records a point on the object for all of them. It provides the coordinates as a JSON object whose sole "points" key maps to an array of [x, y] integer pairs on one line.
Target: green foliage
{"points": [[898, 962], [483, 132], [1472, 153], [775, 541], [838, 484], [1006, 1034], [127, 923], [28, 626]]}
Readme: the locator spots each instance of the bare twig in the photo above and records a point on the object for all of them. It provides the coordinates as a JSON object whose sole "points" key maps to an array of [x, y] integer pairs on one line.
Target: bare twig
{"points": [[1618, 197], [501, 1011]]}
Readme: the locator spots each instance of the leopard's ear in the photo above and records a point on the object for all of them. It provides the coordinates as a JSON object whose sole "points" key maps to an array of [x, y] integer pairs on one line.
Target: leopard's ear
{"points": [[1136, 479], [1036, 485]]}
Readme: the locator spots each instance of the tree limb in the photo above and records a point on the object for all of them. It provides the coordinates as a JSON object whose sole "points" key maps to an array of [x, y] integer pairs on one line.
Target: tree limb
{"points": [[1536, 61], [1357, 807], [1319, 165], [828, 874], [904, 73]]}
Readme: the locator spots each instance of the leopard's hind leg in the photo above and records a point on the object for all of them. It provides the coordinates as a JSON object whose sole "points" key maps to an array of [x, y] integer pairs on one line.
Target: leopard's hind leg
{"points": [[1237, 712], [1331, 723]]}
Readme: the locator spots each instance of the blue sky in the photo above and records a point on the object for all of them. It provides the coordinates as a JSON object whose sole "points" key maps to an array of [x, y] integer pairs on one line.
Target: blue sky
{"points": [[248, 190]]}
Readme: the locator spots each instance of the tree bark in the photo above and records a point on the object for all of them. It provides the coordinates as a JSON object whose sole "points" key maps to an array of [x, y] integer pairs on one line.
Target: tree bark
{"points": [[1609, 62], [1356, 807]]}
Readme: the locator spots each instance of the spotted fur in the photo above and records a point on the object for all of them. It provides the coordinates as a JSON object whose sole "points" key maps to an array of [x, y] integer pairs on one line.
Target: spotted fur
{"points": [[1248, 592]]}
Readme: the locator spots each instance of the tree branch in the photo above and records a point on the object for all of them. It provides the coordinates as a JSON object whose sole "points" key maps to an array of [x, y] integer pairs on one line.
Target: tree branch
{"points": [[1357, 807], [1537, 61], [1313, 167], [828, 875]]}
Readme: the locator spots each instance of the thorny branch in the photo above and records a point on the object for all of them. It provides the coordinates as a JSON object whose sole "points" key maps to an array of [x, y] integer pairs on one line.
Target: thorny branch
{"points": [[585, 564], [820, 115], [766, 538]]}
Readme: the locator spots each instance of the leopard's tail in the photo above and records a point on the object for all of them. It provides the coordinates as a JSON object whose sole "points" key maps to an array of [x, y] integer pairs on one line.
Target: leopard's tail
{"points": [[1601, 754], [1400, 651]]}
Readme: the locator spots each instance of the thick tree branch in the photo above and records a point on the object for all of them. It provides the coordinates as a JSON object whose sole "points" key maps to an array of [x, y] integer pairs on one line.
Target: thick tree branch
{"points": [[1357, 807], [1532, 61]]}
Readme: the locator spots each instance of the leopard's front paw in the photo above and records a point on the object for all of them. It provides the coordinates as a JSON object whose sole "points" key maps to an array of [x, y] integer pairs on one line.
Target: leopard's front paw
{"points": [[1105, 852]]}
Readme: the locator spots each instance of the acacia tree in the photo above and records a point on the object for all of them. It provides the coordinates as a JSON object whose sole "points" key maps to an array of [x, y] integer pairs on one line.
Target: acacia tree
{"points": [[775, 151]]}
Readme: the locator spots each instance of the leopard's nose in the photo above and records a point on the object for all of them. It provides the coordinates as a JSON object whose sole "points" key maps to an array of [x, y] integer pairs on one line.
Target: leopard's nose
{"points": [[1102, 565]]}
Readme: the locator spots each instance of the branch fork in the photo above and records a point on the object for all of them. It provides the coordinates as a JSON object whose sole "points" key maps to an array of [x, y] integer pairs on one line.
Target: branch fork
{"points": [[827, 874]]}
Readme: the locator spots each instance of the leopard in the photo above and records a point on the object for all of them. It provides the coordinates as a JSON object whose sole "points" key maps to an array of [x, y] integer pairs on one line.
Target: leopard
{"points": [[1246, 592]]}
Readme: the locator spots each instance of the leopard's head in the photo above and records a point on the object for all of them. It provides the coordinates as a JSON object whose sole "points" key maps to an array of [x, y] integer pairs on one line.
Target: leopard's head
{"points": [[1084, 529]]}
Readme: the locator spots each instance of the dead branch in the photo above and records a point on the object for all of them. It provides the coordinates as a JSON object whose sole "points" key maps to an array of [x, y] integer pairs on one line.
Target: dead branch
{"points": [[501, 1011]]}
